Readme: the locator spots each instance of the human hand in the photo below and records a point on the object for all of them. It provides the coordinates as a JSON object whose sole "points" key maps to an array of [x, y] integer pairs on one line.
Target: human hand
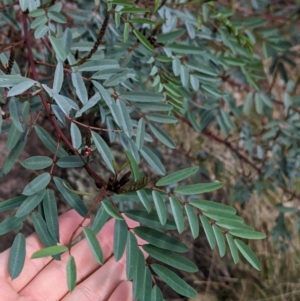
{"points": [[44, 279]]}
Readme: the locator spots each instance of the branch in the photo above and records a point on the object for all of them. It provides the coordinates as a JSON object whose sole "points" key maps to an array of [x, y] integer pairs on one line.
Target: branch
{"points": [[241, 156], [60, 134]]}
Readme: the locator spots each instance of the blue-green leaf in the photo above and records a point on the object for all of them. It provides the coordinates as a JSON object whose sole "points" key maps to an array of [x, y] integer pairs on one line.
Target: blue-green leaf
{"points": [[162, 136], [51, 215], [144, 199], [30, 203], [80, 88], [58, 77], [198, 188], [73, 199], [209, 233], [70, 162], [111, 210], [220, 240], [174, 281], [153, 160], [100, 220], [210, 205], [160, 239], [248, 254], [58, 48], [48, 141], [93, 244], [142, 96], [193, 220], [71, 273], [177, 213], [177, 176], [37, 184], [49, 251], [104, 150], [17, 256], [14, 110], [120, 238], [131, 256], [140, 135], [160, 206], [171, 258], [233, 248], [12, 203], [149, 219], [37, 162]]}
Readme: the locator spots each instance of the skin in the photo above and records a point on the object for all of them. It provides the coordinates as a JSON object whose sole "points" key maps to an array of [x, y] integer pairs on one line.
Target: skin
{"points": [[44, 279]]}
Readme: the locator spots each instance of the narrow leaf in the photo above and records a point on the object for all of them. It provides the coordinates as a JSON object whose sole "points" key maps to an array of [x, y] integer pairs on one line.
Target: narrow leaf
{"points": [[120, 238], [14, 110], [58, 77], [20, 88], [143, 40], [198, 188], [177, 176], [111, 210], [210, 205], [51, 215], [71, 273], [233, 248], [37, 184], [12, 203], [131, 256], [48, 141], [100, 220], [153, 160], [93, 244], [37, 162], [104, 150], [42, 231], [73, 199], [138, 280], [149, 219], [70, 162], [144, 199], [248, 254], [156, 294], [220, 240], [171, 258], [162, 136], [209, 233], [247, 234], [140, 134], [177, 213], [30, 203], [193, 220], [17, 256], [80, 87], [49, 251], [160, 206], [58, 48], [75, 136], [142, 96], [160, 239], [174, 281]]}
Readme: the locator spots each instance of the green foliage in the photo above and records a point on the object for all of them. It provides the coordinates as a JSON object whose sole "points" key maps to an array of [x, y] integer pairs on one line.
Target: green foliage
{"points": [[146, 74]]}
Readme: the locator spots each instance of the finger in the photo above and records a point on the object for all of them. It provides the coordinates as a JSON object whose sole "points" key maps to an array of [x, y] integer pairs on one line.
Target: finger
{"points": [[123, 292], [55, 272], [67, 224], [101, 284]]}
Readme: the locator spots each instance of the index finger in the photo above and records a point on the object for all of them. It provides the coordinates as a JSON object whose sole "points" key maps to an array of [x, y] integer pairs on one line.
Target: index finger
{"points": [[68, 222]]}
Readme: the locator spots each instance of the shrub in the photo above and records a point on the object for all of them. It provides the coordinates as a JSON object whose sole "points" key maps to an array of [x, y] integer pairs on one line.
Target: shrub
{"points": [[138, 69]]}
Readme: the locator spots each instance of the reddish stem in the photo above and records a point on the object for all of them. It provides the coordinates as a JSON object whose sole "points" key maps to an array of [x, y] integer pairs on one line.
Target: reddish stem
{"points": [[60, 134]]}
